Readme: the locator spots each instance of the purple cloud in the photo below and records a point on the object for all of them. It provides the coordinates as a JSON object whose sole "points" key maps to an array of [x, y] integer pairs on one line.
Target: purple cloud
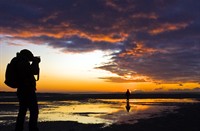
{"points": [[156, 40]]}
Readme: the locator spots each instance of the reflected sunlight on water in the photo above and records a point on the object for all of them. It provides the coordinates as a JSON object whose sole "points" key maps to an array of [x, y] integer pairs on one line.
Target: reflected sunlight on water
{"points": [[106, 111], [83, 112]]}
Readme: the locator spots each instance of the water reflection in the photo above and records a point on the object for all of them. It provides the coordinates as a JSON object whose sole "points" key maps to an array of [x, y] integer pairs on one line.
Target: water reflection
{"points": [[107, 111], [128, 107]]}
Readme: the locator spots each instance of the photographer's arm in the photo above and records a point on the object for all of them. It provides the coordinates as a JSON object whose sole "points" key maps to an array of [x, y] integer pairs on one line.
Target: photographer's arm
{"points": [[35, 65], [35, 68]]}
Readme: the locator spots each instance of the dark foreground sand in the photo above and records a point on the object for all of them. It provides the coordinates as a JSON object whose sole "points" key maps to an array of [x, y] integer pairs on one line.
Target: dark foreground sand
{"points": [[186, 118]]}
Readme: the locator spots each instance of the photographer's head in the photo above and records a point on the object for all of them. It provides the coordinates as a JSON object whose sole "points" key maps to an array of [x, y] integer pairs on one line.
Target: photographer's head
{"points": [[28, 54]]}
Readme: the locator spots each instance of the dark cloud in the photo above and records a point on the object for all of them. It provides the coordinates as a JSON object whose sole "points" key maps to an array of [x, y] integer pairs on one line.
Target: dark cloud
{"points": [[73, 44], [193, 90], [156, 40], [196, 89], [176, 66]]}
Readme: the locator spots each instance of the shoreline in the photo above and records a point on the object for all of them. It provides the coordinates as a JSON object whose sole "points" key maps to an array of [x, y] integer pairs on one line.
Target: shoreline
{"points": [[11, 96]]}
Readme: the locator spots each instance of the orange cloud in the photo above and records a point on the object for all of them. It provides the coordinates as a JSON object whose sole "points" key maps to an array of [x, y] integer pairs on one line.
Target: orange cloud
{"points": [[146, 16], [138, 51], [64, 31], [167, 27]]}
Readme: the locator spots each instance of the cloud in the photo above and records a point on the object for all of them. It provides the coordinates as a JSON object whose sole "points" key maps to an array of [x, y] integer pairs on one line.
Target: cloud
{"points": [[160, 89], [164, 66], [154, 39], [58, 20], [196, 89], [121, 80], [166, 27], [15, 44]]}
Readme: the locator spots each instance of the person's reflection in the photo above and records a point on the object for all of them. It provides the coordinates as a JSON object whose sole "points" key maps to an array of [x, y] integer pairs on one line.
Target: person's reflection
{"points": [[128, 107]]}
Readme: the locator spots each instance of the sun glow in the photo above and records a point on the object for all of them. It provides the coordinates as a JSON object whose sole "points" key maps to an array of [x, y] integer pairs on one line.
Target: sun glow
{"points": [[76, 72]]}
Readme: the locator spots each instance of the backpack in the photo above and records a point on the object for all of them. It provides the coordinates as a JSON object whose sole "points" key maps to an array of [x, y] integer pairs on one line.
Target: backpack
{"points": [[11, 75]]}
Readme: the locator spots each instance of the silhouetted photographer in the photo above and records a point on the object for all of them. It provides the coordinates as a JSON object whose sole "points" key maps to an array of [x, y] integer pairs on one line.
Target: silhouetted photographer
{"points": [[20, 74]]}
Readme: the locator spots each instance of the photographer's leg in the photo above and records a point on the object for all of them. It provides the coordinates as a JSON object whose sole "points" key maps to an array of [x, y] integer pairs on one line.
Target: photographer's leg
{"points": [[33, 113], [21, 116]]}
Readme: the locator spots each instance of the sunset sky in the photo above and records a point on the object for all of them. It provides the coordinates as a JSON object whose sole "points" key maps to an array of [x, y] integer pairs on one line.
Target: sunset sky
{"points": [[105, 45]]}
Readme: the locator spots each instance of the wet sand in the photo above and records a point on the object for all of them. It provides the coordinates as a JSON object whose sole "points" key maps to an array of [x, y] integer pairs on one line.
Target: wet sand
{"points": [[186, 118]]}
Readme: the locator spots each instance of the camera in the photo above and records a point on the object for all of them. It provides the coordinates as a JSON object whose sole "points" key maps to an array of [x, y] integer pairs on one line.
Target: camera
{"points": [[36, 59]]}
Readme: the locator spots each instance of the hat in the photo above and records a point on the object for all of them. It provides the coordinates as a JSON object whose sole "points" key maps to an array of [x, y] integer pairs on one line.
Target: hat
{"points": [[27, 54]]}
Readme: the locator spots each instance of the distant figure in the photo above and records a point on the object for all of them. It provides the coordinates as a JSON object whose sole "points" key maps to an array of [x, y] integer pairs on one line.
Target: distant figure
{"points": [[128, 107], [128, 94], [26, 88]]}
